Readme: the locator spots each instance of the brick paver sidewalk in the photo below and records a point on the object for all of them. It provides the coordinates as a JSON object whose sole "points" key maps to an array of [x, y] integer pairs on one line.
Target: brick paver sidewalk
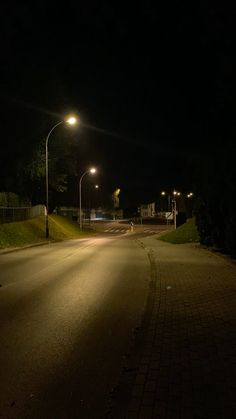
{"points": [[186, 369]]}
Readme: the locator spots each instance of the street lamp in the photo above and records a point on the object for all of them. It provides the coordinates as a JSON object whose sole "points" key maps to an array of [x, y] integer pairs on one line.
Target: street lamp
{"points": [[174, 209], [189, 208], [95, 198], [163, 193], [71, 121], [92, 171]]}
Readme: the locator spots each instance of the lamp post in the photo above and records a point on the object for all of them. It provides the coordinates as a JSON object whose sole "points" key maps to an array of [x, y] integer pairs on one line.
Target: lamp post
{"points": [[190, 196], [70, 121], [96, 197], [163, 193], [92, 171], [174, 211], [92, 202], [174, 208]]}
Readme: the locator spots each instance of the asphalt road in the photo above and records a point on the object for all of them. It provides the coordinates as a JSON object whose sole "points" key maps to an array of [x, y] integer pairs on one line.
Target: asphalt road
{"points": [[67, 314]]}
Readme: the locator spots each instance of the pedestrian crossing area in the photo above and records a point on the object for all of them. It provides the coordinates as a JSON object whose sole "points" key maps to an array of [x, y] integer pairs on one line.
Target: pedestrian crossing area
{"points": [[116, 230], [128, 230]]}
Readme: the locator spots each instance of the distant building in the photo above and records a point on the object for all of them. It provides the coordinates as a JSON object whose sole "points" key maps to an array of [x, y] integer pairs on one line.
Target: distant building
{"points": [[92, 214], [147, 210]]}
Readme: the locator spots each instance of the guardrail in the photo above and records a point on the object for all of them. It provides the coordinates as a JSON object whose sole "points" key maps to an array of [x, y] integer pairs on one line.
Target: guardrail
{"points": [[10, 214]]}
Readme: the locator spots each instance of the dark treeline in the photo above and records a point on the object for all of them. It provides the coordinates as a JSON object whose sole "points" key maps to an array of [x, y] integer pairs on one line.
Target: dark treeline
{"points": [[215, 205]]}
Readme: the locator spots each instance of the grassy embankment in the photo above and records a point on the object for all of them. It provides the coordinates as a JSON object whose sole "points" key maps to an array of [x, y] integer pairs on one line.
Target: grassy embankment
{"points": [[22, 233], [186, 233]]}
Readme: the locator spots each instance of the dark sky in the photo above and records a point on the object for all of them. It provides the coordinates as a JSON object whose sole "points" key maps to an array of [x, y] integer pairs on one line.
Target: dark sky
{"points": [[162, 78]]}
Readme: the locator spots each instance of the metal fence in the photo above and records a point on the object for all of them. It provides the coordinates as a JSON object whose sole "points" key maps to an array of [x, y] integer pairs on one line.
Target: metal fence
{"points": [[10, 214]]}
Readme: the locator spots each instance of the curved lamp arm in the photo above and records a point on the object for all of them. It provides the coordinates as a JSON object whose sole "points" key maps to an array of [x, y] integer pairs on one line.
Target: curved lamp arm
{"points": [[46, 173]]}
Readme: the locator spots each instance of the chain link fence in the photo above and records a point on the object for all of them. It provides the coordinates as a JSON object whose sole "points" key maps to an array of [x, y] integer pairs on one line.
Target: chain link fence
{"points": [[10, 214]]}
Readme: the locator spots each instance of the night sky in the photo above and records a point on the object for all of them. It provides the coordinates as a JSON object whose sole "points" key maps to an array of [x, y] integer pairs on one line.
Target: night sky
{"points": [[154, 87]]}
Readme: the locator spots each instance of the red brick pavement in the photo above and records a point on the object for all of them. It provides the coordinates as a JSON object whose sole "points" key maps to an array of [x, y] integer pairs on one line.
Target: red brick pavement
{"points": [[186, 369]]}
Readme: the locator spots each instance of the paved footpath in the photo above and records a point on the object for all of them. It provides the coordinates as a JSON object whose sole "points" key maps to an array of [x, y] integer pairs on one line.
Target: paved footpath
{"points": [[185, 368]]}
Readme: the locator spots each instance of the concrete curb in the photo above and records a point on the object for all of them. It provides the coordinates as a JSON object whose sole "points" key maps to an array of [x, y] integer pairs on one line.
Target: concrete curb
{"points": [[15, 249]]}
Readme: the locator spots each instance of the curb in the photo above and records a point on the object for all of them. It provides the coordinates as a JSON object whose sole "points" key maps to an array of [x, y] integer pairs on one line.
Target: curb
{"points": [[15, 249]]}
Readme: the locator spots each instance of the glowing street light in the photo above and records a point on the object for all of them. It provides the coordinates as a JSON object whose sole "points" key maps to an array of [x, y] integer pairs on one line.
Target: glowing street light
{"points": [[164, 193], [92, 171], [174, 210], [71, 121], [175, 193]]}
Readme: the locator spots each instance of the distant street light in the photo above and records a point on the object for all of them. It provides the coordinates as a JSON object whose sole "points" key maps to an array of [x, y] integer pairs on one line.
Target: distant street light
{"points": [[95, 198], [174, 209], [174, 212], [190, 197], [163, 193], [70, 121], [92, 171]]}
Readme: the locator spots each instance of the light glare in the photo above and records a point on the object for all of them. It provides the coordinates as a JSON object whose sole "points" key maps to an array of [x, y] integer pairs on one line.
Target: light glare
{"points": [[72, 120]]}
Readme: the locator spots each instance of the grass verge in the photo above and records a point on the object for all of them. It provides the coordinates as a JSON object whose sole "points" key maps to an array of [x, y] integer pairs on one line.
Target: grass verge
{"points": [[22, 233], [186, 233]]}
